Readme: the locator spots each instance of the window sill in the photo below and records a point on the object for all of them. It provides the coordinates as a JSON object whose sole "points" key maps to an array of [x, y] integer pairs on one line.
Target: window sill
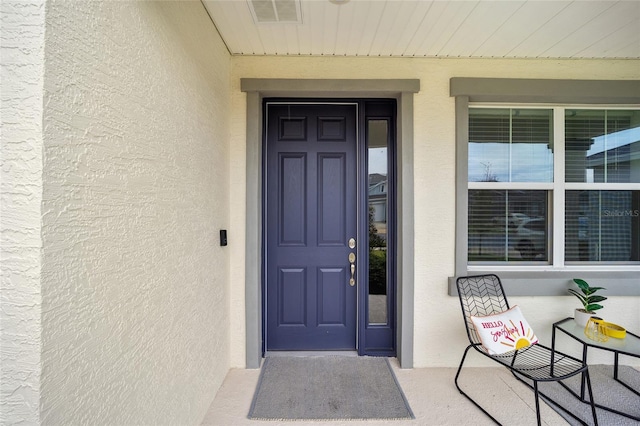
{"points": [[619, 281]]}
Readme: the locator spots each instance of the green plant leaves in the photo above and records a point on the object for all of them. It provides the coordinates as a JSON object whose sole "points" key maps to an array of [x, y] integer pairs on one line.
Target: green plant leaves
{"points": [[578, 295], [584, 286], [588, 299], [593, 307]]}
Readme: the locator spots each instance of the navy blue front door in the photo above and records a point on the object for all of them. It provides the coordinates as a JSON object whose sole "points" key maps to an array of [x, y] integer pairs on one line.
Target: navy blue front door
{"points": [[311, 214]]}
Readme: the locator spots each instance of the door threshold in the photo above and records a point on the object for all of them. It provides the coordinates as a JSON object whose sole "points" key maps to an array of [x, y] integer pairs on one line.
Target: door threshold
{"points": [[309, 353]]}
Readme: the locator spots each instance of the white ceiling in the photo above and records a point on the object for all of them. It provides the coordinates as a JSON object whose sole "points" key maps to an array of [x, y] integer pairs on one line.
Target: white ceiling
{"points": [[423, 28]]}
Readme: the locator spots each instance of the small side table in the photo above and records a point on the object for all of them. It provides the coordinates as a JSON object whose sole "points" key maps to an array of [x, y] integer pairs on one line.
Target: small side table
{"points": [[630, 346]]}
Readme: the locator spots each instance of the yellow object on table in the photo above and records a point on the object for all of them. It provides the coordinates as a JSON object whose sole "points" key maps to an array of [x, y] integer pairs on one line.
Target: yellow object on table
{"points": [[613, 330], [599, 330], [594, 330]]}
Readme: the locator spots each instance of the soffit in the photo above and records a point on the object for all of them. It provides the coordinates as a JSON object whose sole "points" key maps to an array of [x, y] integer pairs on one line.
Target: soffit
{"points": [[600, 29]]}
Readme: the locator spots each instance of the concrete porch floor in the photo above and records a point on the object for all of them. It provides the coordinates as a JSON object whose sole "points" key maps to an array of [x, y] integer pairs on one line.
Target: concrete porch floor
{"points": [[431, 393]]}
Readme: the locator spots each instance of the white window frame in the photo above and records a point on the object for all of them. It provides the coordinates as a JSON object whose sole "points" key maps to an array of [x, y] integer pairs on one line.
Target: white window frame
{"points": [[554, 278], [557, 188]]}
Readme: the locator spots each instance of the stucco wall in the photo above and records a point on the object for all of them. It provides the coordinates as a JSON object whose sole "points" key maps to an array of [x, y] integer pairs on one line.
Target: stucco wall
{"points": [[22, 38], [135, 297], [439, 338]]}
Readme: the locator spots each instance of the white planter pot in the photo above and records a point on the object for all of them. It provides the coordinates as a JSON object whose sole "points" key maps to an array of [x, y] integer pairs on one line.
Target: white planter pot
{"points": [[581, 317]]}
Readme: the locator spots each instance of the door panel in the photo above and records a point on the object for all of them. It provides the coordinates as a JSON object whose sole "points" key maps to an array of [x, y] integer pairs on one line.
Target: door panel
{"points": [[311, 213], [292, 293], [331, 191], [293, 196], [331, 301]]}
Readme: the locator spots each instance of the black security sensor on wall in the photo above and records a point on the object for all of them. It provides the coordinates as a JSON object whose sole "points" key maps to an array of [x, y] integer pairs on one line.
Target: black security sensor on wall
{"points": [[223, 237]]}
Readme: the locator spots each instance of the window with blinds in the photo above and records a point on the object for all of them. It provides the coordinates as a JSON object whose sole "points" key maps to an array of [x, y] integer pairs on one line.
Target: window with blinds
{"points": [[507, 225], [510, 156], [602, 198], [602, 146], [602, 226], [510, 145], [511, 186]]}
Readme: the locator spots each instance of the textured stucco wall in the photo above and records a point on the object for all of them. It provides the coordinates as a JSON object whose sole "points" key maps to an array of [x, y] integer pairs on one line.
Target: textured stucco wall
{"points": [[135, 298], [439, 338], [22, 51]]}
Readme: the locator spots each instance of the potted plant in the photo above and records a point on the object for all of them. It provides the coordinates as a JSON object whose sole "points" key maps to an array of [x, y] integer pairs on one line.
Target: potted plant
{"points": [[589, 300]]}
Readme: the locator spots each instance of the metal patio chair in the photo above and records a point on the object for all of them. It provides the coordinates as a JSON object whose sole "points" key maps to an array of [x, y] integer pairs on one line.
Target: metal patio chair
{"points": [[483, 295]]}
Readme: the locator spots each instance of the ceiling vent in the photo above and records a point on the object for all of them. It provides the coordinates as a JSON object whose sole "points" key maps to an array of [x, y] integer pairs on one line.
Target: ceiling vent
{"points": [[275, 11]]}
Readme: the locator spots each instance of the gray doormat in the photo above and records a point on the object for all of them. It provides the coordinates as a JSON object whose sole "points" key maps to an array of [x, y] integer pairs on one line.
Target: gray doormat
{"points": [[606, 391], [328, 388]]}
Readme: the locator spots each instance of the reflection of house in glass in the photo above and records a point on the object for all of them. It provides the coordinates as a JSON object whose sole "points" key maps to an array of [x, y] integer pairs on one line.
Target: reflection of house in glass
{"points": [[602, 149], [377, 195], [378, 203], [601, 225], [618, 164]]}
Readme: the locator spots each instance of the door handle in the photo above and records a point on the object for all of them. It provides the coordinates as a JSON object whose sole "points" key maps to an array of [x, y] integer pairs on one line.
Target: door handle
{"points": [[352, 261]]}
